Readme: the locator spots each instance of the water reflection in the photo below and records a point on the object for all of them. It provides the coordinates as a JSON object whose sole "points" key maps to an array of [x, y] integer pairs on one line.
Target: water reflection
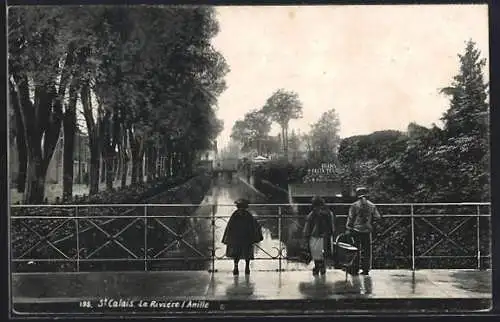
{"points": [[240, 288], [320, 287]]}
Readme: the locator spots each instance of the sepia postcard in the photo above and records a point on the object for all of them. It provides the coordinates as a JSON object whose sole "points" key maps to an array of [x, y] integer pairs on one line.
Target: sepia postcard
{"points": [[169, 160]]}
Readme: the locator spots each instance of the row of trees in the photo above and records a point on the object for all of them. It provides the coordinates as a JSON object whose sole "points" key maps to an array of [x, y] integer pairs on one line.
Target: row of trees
{"points": [[146, 78], [436, 164], [321, 142]]}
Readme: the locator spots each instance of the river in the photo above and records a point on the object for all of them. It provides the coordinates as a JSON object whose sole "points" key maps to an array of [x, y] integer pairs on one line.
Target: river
{"points": [[200, 236]]}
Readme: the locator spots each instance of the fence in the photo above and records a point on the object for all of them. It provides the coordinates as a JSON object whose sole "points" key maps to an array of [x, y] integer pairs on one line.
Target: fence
{"points": [[187, 236]]}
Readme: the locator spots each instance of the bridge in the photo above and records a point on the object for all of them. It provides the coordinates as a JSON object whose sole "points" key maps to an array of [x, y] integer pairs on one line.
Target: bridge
{"points": [[426, 256]]}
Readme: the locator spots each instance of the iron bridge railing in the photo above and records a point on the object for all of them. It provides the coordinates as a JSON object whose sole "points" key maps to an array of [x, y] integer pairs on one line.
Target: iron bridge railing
{"points": [[188, 236]]}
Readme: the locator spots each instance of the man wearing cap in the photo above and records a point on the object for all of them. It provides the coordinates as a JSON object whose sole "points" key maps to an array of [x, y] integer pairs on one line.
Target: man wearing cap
{"points": [[359, 225]]}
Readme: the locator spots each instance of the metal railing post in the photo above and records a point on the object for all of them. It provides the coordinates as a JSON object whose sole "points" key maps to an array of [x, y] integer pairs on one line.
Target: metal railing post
{"points": [[213, 238], [412, 238], [145, 237], [77, 231], [280, 250], [478, 245]]}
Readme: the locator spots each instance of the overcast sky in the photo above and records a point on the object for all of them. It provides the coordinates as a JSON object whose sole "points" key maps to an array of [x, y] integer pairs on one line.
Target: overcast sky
{"points": [[380, 67]]}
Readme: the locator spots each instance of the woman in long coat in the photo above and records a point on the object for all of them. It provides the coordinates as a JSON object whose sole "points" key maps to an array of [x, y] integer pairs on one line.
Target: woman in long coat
{"points": [[318, 232], [242, 231]]}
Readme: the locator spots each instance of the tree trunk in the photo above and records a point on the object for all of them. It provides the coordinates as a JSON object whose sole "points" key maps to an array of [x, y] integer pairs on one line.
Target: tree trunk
{"points": [[21, 143], [42, 125], [285, 141], [94, 145], [124, 173], [134, 169], [35, 179], [23, 164], [137, 149], [140, 167], [94, 168], [69, 128], [124, 159], [109, 164], [102, 163], [117, 167], [151, 162], [158, 163], [147, 156]]}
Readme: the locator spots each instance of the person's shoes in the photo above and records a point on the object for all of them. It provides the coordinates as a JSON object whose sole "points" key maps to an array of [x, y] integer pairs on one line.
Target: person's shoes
{"points": [[247, 271], [235, 272], [365, 272]]}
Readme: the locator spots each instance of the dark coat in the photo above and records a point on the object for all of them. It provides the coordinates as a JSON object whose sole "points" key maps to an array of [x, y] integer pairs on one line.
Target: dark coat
{"points": [[241, 232], [319, 223]]}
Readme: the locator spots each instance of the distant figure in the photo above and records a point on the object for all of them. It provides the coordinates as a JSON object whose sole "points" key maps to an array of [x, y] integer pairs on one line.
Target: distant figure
{"points": [[248, 171], [318, 232], [359, 225], [241, 232]]}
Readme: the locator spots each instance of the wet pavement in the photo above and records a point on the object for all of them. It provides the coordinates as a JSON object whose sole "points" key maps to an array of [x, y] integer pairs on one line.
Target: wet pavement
{"points": [[292, 285]]}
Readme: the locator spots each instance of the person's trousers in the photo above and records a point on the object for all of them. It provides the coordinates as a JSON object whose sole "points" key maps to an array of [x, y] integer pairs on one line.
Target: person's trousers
{"points": [[363, 242]]}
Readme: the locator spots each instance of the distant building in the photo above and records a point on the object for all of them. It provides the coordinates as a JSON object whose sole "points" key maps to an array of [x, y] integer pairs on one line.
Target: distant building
{"points": [[330, 190]]}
